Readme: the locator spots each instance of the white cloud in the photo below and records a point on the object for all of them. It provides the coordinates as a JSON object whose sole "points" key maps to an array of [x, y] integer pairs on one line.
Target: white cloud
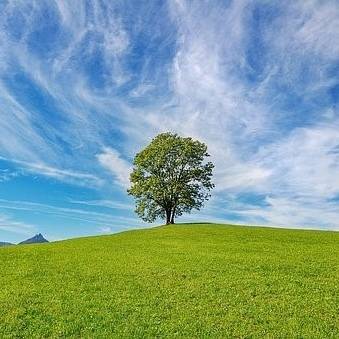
{"points": [[8, 224], [6, 174], [314, 28], [141, 90], [82, 214], [60, 174], [299, 212], [105, 229], [119, 167], [115, 205], [304, 164]]}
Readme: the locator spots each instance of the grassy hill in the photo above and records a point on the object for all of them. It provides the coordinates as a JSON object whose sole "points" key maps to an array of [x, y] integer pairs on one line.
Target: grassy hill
{"points": [[185, 280]]}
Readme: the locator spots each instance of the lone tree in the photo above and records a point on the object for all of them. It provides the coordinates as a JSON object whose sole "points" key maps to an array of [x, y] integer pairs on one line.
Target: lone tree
{"points": [[170, 177]]}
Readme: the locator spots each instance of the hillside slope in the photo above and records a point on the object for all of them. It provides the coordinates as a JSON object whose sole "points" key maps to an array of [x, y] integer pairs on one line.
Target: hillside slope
{"points": [[4, 243], [186, 280]]}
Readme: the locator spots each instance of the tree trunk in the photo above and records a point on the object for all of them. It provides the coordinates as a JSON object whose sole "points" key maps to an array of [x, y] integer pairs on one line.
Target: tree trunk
{"points": [[168, 217], [172, 215]]}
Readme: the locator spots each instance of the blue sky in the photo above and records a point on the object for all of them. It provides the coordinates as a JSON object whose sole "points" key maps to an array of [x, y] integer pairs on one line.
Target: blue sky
{"points": [[86, 84]]}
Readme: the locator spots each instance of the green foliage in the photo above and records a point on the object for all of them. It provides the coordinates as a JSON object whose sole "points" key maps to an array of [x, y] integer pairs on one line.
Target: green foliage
{"points": [[170, 177], [174, 281]]}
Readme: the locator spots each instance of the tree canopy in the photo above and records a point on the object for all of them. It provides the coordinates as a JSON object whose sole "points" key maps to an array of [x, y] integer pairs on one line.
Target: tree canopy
{"points": [[170, 177]]}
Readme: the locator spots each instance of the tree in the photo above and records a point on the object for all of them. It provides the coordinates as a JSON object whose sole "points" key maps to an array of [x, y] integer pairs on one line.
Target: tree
{"points": [[170, 177]]}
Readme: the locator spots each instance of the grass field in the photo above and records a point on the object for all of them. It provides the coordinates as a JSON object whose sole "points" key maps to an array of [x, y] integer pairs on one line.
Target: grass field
{"points": [[183, 280]]}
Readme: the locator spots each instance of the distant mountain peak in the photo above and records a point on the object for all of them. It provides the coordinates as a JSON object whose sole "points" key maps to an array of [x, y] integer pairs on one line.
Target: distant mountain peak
{"points": [[37, 239]]}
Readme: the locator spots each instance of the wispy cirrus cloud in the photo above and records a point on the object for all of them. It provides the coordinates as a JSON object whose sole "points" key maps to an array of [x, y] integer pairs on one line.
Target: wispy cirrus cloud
{"points": [[120, 168], [6, 174], [104, 203], [42, 169], [11, 225], [84, 215], [105, 229]]}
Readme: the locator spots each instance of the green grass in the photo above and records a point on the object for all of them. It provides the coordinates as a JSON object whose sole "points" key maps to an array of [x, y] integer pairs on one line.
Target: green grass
{"points": [[182, 280]]}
